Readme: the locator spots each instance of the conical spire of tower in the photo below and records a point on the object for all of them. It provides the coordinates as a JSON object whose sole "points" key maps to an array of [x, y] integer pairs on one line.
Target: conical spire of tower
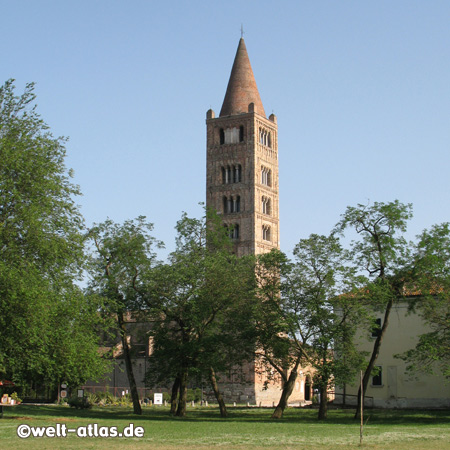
{"points": [[242, 89]]}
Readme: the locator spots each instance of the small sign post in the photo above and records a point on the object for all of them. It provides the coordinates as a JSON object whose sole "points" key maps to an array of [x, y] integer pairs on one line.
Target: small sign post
{"points": [[157, 399]]}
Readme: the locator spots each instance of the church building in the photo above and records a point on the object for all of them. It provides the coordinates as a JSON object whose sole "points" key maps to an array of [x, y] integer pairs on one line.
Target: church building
{"points": [[242, 163], [242, 185]]}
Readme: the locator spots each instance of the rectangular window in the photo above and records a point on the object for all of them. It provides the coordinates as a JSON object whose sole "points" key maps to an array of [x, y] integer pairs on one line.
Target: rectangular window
{"points": [[377, 380], [241, 134], [376, 330]]}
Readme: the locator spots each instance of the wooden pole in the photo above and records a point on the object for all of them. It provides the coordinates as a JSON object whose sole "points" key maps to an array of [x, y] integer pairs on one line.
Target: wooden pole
{"points": [[362, 409]]}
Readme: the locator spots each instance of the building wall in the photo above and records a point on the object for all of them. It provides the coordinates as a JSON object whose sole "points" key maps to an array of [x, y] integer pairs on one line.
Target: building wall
{"points": [[398, 389], [251, 155], [116, 381], [254, 150], [268, 391]]}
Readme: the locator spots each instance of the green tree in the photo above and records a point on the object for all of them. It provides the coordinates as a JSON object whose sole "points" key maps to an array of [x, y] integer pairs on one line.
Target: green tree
{"points": [[431, 285], [322, 296], [75, 338], [383, 253], [41, 249], [199, 324], [304, 321], [121, 267], [278, 346]]}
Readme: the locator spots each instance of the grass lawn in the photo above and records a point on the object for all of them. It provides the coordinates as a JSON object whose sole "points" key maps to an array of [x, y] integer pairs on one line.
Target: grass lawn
{"points": [[245, 428]]}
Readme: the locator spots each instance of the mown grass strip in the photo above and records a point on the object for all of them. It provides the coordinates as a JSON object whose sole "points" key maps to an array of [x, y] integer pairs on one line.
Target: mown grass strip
{"points": [[245, 428]]}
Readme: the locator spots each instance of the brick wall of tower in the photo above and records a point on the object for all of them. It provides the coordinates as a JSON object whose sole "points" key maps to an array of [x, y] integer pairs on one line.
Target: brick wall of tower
{"points": [[267, 157], [251, 155]]}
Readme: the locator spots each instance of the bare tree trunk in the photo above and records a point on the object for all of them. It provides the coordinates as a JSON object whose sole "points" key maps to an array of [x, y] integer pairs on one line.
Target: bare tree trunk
{"points": [[288, 387], [173, 398], [128, 365], [323, 405], [373, 358], [215, 386], [181, 411]]}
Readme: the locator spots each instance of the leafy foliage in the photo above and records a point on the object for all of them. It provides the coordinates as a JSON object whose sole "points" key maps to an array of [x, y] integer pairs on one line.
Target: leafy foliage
{"points": [[383, 253], [121, 266], [121, 262], [303, 321], [202, 298], [44, 316], [431, 300], [79, 403]]}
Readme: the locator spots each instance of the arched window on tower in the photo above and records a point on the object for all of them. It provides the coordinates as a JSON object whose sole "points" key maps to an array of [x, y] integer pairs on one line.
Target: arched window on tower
{"points": [[237, 173], [231, 204], [237, 204], [266, 232], [235, 231], [232, 174], [265, 205], [231, 135], [261, 136], [230, 207], [266, 176], [265, 137]]}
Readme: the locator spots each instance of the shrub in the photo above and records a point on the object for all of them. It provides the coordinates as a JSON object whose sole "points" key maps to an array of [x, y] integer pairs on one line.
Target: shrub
{"points": [[101, 398], [125, 400], [194, 395], [106, 398], [79, 402]]}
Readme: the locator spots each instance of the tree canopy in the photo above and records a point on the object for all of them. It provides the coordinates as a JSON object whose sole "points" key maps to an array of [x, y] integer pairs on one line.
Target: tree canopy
{"points": [[41, 252], [383, 254], [121, 266], [303, 321], [430, 292], [204, 296]]}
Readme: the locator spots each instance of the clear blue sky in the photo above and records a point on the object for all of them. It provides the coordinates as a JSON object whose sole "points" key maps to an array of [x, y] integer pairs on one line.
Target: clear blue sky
{"points": [[361, 91]]}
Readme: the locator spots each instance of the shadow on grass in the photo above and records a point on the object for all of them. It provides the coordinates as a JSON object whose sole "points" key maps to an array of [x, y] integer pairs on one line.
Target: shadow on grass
{"points": [[236, 414]]}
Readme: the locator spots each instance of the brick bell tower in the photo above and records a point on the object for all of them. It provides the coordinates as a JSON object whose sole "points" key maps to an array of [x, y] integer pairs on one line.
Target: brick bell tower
{"points": [[242, 163]]}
